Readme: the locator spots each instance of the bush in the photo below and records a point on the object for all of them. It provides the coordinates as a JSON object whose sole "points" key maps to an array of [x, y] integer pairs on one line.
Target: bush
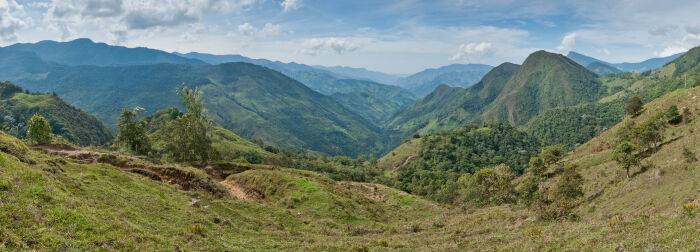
{"points": [[537, 167], [552, 154], [569, 186], [672, 115], [39, 129], [689, 155], [686, 115], [634, 106]]}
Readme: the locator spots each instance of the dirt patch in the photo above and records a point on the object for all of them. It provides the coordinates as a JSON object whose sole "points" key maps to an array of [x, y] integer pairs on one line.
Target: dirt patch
{"points": [[370, 191], [237, 191]]}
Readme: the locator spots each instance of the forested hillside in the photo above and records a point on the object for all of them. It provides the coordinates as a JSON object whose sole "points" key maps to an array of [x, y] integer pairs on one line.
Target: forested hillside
{"points": [[18, 105]]}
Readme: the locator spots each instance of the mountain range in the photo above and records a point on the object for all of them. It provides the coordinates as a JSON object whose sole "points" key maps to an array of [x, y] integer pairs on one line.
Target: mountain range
{"points": [[455, 75], [646, 65]]}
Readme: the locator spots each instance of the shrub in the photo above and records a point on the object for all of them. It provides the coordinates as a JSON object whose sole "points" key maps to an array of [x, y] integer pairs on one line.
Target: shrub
{"points": [[569, 186], [689, 209], [672, 115], [634, 106], [537, 167], [552, 154], [39, 129], [686, 115]]}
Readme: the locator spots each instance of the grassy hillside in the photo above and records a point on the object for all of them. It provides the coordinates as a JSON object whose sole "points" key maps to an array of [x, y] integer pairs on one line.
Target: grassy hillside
{"points": [[252, 101], [545, 80], [374, 107], [68, 122]]}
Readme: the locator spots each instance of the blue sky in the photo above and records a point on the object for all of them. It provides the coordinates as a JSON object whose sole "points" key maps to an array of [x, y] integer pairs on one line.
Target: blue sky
{"points": [[391, 36]]}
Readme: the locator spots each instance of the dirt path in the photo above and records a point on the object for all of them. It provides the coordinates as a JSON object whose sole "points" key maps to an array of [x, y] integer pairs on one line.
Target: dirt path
{"points": [[405, 162], [235, 190]]}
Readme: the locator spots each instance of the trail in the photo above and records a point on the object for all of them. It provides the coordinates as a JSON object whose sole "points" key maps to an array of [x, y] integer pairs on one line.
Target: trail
{"points": [[405, 162]]}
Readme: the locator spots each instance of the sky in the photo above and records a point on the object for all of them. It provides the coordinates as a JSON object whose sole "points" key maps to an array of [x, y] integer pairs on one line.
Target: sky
{"points": [[399, 37]]}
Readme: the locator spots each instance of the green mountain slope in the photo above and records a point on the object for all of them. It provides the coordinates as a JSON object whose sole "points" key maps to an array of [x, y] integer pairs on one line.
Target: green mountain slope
{"points": [[545, 80], [252, 101], [602, 69], [372, 106], [448, 108], [71, 123], [577, 124]]}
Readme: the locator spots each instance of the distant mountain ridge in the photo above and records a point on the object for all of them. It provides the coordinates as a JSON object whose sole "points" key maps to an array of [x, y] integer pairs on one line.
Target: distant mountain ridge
{"points": [[646, 65], [86, 52], [455, 75]]}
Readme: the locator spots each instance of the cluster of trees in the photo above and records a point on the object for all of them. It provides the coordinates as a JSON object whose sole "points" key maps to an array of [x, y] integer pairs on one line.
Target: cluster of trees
{"points": [[186, 138], [636, 141]]}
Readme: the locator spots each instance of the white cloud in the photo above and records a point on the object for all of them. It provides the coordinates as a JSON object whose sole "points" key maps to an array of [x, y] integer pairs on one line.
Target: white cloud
{"points": [[472, 51], [192, 33], [315, 46], [663, 30], [248, 31], [10, 20], [693, 29], [289, 5], [604, 51], [568, 43]]}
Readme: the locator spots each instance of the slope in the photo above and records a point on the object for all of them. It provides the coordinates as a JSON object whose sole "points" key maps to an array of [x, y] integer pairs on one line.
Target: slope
{"points": [[16, 107], [545, 80], [577, 124], [447, 107], [602, 69], [252, 101], [647, 65]]}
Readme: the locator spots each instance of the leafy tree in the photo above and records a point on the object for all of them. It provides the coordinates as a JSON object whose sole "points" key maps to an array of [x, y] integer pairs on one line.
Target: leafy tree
{"points": [[188, 135], [537, 167], [634, 106], [672, 115], [39, 129], [529, 190], [569, 186], [132, 132], [649, 133], [625, 157], [552, 154]]}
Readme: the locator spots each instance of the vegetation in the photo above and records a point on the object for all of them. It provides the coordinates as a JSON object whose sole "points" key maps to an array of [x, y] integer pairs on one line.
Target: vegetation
{"points": [[132, 133], [188, 136], [634, 106], [17, 106], [39, 129]]}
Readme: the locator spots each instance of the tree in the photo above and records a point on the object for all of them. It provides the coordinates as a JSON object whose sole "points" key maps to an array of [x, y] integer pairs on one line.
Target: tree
{"points": [[648, 134], [552, 154], [569, 186], [537, 167], [132, 133], [188, 135], [672, 115], [39, 129], [624, 155], [634, 106]]}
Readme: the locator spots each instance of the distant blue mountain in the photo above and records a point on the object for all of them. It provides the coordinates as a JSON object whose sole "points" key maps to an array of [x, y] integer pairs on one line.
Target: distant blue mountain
{"points": [[86, 52], [646, 65], [456, 75]]}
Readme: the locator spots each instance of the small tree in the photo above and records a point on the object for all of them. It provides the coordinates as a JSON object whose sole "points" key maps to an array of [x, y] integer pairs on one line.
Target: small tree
{"points": [[634, 106], [188, 135], [569, 186], [624, 155], [132, 133], [552, 154], [537, 167], [39, 129], [672, 115]]}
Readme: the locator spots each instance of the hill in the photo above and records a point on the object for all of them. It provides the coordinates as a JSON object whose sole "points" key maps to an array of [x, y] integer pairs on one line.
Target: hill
{"points": [[252, 101], [372, 106], [456, 75], [86, 52], [577, 124], [447, 108], [545, 80], [647, 65], [602, 69], [68, 122]]}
